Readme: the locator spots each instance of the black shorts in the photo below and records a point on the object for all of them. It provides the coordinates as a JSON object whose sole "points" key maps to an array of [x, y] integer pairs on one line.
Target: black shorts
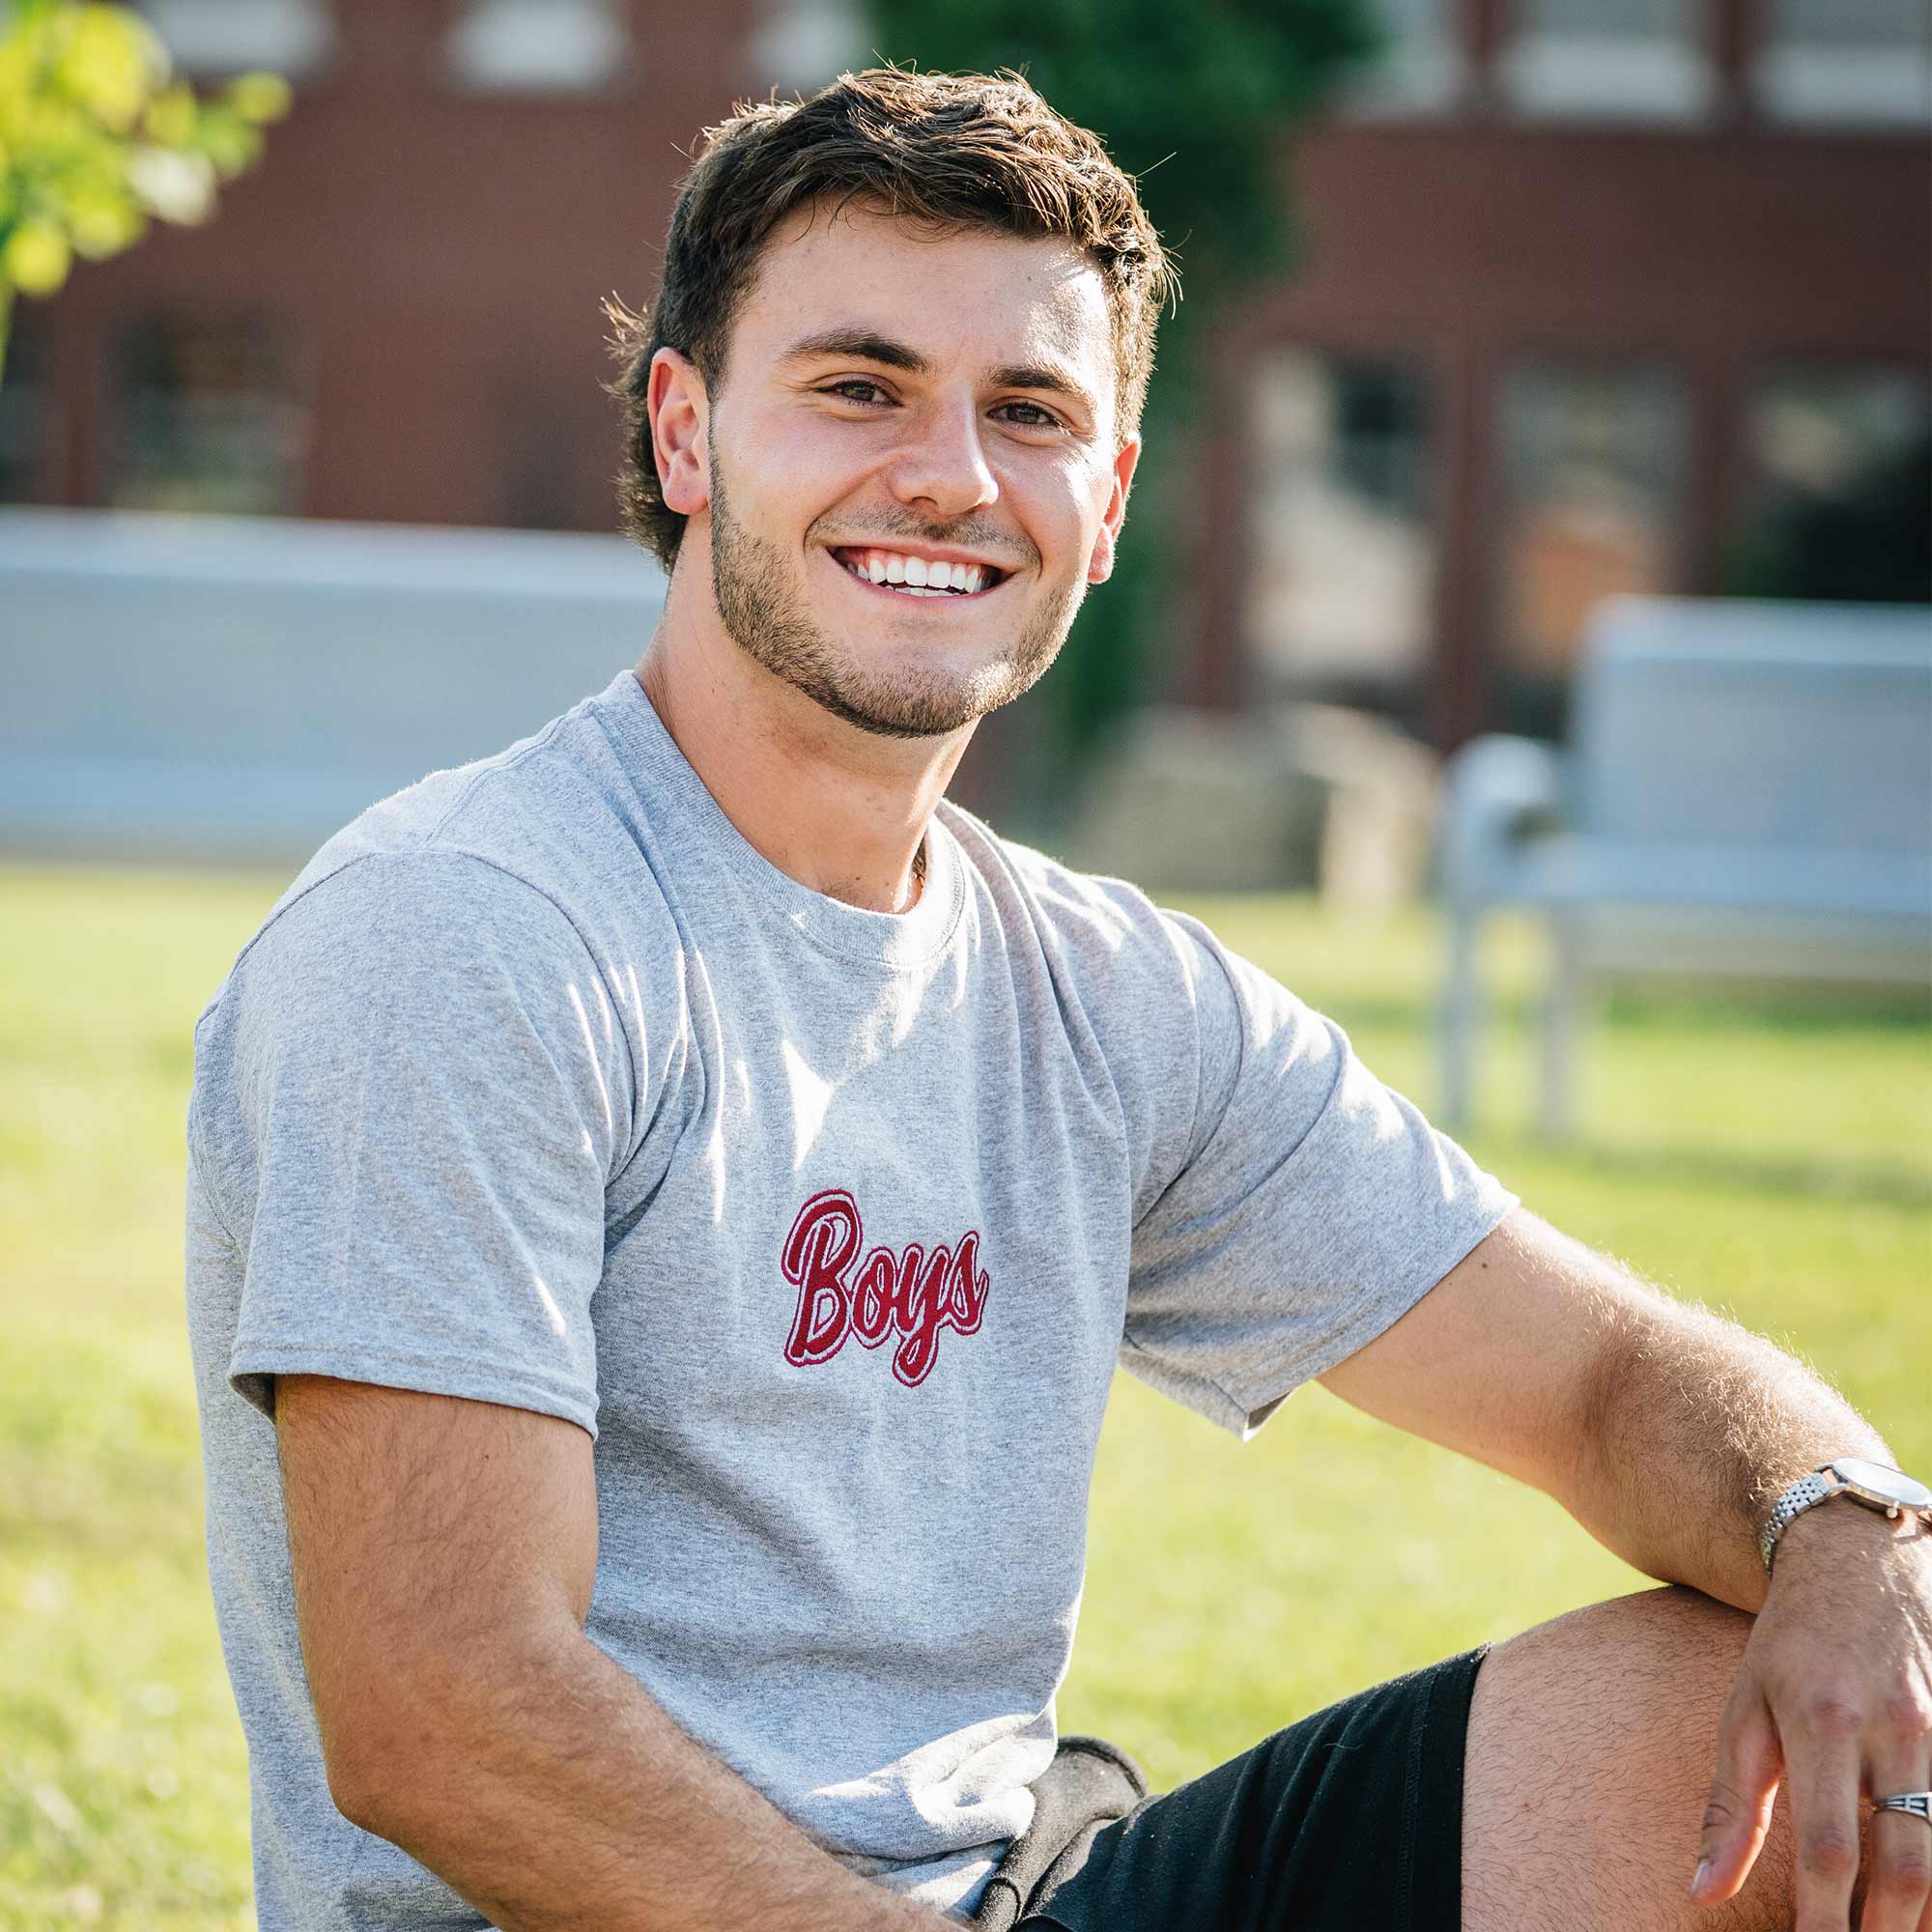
{"points": [[1348, 1820]]}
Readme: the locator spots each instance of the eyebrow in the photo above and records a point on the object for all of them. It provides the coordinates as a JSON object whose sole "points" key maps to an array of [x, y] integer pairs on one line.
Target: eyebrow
{"points": [[866, 345]]}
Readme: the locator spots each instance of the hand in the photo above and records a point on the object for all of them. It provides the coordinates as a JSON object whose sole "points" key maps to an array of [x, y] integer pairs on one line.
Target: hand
{"points": [[1835, 1697]]}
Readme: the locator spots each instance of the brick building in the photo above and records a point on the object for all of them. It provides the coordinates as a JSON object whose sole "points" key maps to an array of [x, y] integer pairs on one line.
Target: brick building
{"points": [[1599, 295]]}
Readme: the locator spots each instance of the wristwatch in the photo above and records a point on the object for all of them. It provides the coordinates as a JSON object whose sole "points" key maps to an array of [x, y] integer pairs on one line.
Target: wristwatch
{"points": [[1873, 1483]]}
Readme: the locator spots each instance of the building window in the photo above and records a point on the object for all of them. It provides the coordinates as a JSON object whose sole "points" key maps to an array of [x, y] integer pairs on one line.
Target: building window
{"points": [[539, 47], [1847, 63], [1840, 500], [1618, 60], [1593, 466], [290, 37], [803, 43], [1421, 70], [1340, 595], [205, 420], [27, 415]]}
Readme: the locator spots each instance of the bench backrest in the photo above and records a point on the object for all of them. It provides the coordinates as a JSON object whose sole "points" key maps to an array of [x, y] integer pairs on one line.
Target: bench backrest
{"points": [[1759, 725], [208, 687]]}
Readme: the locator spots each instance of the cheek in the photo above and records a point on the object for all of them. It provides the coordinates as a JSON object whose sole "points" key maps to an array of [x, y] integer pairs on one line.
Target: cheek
{"points": [[774, 474], [795, 468], [1052, 501]]}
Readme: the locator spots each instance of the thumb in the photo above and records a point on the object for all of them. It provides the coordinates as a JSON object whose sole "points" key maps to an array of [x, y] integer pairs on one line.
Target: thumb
{"points": [[1737, 1814]]}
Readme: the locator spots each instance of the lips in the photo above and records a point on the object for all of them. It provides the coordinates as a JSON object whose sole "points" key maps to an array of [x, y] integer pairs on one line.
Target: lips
{"points": [[905, 574]]}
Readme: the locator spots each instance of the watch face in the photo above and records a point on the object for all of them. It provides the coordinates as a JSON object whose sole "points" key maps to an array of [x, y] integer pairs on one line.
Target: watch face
{"points": [[1887, 1484]]}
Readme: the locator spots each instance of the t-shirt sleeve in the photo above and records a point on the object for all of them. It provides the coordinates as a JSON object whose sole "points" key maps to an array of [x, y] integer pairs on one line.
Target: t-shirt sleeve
{"points": [[410, 1097], [1311, 1205]]}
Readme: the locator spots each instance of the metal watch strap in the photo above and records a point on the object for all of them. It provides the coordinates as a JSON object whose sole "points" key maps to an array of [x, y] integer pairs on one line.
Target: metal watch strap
{"points": [[1794, 1502]]}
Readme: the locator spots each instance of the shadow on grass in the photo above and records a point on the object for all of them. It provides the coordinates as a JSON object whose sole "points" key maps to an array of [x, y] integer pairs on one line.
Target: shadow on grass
{"points": [[1820, 1010], [1776, 1006], [1865, 1183]]}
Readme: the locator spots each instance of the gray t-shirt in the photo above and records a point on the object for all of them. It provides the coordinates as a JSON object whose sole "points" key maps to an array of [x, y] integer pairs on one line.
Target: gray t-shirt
{"points": [[540, 1086]]}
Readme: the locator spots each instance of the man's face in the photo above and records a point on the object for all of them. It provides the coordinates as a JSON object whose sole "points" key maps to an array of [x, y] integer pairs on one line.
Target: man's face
{"points": [[895, 406]]}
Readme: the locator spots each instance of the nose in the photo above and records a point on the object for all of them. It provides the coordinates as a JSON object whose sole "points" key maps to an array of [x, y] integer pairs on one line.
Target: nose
{"points": [[941, 468]]}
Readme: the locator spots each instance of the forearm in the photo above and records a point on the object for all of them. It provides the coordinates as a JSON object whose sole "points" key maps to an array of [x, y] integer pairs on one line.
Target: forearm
{"points": [[1695, 1427], [558, 1795]]}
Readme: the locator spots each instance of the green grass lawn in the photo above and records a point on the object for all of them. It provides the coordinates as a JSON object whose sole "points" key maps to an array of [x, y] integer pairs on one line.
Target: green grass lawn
{"points": [[1771, 1156]]}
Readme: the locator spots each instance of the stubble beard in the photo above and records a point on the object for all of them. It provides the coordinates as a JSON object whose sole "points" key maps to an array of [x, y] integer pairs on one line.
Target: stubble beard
{"points": [[762, 607]]}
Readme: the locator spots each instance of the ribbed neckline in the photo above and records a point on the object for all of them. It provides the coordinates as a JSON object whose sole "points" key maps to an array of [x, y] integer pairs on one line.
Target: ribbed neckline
{"points": [[894, 941]]}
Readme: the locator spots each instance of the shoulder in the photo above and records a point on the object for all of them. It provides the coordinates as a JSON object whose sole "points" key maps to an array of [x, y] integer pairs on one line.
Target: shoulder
{"points": [[467, 931], [559, 811], [1106, 931], [537, 851], [430, 949]]}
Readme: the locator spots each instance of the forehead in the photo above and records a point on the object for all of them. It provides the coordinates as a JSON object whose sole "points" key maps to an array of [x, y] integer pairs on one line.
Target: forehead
{"points": [[964, 298]]}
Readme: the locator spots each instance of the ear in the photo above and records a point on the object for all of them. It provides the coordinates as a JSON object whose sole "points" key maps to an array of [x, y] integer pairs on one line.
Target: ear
{"points": [[1100, 564], [680, 413]]}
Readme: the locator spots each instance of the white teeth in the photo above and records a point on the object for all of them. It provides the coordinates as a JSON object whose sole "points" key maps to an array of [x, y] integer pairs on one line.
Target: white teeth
{"points": [[918, 576]]}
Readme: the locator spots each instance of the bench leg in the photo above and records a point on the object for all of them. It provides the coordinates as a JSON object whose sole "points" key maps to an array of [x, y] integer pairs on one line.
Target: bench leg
{"points": [[1461, 1020], [1561, 1014]]}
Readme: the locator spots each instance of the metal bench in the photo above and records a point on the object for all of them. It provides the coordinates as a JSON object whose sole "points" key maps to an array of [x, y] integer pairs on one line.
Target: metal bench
{"points": [[1749, 791], [235, 688]]}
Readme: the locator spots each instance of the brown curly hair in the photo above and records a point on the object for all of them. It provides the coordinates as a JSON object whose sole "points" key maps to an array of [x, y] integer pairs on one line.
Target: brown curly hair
{"points": [[954, 149]]}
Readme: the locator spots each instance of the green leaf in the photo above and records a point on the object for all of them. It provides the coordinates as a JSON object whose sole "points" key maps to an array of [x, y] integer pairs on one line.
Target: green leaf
{"points": [[102, 224], [36, 258], [227, 140], [109, 61], [261, 98], [96, 136], [171, 117]]}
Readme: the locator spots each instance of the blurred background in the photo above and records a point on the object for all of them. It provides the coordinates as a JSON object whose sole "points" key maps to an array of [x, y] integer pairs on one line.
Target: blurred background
{"points": [[1522, 647]]}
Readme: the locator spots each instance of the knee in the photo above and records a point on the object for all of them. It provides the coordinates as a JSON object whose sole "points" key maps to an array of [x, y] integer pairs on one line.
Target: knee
{"points": [[1591, 1747], [1670, 1639], [1678, 1622], [1646, 1676]]}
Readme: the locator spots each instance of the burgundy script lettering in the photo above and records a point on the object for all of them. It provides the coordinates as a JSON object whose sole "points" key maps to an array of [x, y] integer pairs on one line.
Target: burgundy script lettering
{"points": [[914, 1295]]}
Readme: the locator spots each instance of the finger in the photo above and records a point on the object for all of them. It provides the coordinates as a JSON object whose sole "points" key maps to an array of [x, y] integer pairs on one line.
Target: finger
{"points": [[1737, 1814], [1899, 1882], [1822, 1760]]}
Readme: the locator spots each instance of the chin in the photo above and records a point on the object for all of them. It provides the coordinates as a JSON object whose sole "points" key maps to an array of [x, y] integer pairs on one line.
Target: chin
{"points": [[910, 705]]}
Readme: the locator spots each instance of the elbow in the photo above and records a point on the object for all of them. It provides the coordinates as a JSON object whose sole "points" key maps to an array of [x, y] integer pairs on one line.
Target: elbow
{"points": [[369, 1768], [356, 1802], [387, 1743], [412, 1744]]}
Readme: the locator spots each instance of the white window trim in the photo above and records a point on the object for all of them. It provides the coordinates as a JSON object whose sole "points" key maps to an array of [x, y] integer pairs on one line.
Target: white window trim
{"points": [[1810, 84], [1568, 77], [290, 37], [539, 47], [1416, 77], [803, 43]]}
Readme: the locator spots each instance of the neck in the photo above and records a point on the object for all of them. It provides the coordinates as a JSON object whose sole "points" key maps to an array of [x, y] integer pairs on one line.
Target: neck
{"points": [[842, 810]]}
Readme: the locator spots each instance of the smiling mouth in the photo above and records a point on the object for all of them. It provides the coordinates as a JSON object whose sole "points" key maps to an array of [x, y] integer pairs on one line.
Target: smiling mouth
{"points": [[848, 561]]}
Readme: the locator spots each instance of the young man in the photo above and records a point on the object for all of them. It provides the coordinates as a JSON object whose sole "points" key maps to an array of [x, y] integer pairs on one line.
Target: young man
{"points": [[673, 1196]]}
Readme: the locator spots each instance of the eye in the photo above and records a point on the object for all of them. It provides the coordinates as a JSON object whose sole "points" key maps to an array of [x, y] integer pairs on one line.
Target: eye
{"points": [[1035, 417], [873, 395]]}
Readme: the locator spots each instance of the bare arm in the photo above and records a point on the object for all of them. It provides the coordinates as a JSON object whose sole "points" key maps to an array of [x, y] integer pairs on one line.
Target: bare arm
{"points": [[443, 1554]]}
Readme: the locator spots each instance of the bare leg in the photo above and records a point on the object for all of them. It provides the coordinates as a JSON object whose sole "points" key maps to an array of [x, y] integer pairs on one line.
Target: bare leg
{"points": [[1591, 1748]]}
